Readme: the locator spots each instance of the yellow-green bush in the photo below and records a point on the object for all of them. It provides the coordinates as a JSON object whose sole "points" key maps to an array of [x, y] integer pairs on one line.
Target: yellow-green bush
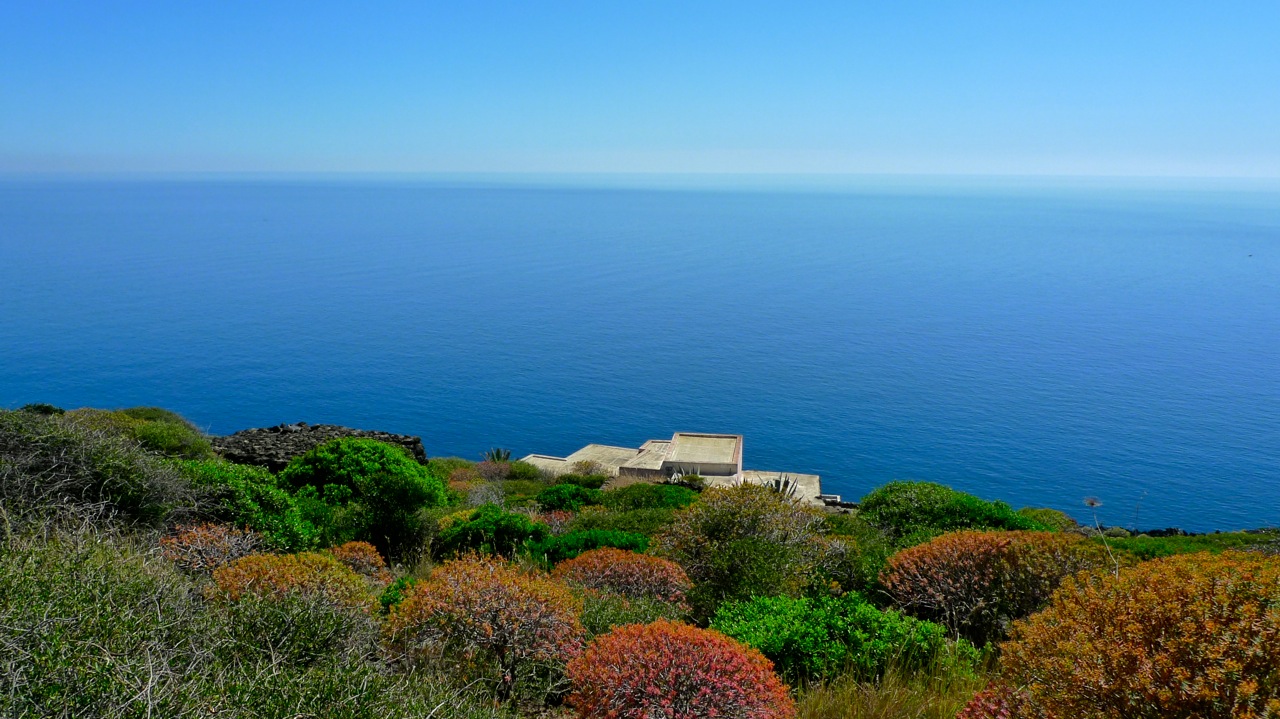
{"points": [[279, 575], [740, 542]]}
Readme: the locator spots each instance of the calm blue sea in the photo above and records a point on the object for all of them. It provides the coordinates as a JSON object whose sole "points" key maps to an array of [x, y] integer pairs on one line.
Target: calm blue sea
{"points": [[1035, 344]]}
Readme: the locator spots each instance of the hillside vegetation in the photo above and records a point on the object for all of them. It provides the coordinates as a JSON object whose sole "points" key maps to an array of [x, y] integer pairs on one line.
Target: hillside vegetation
{"points": [[141, 575]]}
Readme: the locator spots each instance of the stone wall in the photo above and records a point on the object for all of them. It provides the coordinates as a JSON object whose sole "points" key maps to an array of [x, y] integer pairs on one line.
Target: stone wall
{"points": [[273, 447]]}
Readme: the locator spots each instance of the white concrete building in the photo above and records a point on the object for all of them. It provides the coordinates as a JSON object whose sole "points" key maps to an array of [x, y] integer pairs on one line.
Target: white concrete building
{"points": [[717, 458]]}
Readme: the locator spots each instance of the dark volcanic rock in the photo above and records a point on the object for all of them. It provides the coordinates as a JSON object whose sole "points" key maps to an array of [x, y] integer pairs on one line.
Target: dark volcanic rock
{"points": [[273, 447]]}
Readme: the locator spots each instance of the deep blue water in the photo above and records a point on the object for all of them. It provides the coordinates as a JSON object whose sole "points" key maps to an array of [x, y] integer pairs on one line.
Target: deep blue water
{"points": [[1035, 345]]}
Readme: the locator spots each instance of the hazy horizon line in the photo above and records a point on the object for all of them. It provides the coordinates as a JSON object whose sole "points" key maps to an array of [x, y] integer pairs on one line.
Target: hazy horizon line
{"points": [[678, 180]]}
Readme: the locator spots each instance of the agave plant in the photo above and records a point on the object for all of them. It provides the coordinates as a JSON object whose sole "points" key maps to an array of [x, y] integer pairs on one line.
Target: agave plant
{"points": [[785, 486]]}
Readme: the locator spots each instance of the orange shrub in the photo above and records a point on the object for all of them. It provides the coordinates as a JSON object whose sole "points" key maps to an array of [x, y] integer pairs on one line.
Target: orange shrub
{"points": [[1194, 635], [363, 559], [490, 616], [205, 547], [675, 671], [975, 583], [463, 479], [626, 573], [277, 575]]}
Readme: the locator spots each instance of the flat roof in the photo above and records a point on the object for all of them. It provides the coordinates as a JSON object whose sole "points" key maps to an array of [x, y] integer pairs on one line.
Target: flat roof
{"points": [[651, 455], [606, 456], [547, 463], [693, 448]]}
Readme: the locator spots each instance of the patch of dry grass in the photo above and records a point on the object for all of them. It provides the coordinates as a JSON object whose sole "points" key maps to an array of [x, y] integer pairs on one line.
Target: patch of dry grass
{"points": [[898, 695]]}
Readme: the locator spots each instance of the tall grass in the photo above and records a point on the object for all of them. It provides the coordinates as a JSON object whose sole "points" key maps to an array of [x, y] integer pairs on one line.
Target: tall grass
{"points": [[899, 694], [93, 623]]}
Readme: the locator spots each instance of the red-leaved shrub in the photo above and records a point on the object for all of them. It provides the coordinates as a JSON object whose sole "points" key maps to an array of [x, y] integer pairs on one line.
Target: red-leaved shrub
{"points": [[1000, 701], [627, 573], [556, 519], [308, 574], [975, 583], [363, 559], [668, 670], [1194, 635], [205, 547], [491, 618], [492, 471]]}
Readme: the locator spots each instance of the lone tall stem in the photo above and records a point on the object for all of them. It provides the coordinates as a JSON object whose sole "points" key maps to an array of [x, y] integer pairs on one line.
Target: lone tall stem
{"points": [[1093, 505]]}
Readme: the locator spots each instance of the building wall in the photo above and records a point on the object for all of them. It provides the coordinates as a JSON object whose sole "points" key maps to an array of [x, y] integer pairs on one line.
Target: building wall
{"points": [[642, 473], [705, 470]]}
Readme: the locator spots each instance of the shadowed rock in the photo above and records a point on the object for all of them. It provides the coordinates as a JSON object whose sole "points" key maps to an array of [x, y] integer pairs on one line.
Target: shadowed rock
{"points": [[274, 447]]}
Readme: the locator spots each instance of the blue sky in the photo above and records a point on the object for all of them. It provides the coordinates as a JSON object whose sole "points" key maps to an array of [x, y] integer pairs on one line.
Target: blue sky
{"points": [[1059, 88]]}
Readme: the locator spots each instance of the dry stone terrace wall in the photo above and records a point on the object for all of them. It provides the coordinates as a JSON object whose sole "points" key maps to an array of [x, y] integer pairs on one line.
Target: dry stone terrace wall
{"points": [[273, 447]]}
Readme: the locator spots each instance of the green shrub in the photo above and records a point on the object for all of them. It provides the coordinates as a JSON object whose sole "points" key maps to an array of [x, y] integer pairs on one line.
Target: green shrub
{"points": [[649, 496], [519, 491], [553, 550], [490, 530], [157, 430], [648, 522], [362, 489], [523, 471], [906, 507], [395, 593], [868, 551], [442, 467], [248, 496], [570, 497], [590, 481], [172, 440], [86, 620], [1054, 519], [1145, 548], [744, 541], [84, 460], [156, 414], [815, 639], [42, 408]]}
